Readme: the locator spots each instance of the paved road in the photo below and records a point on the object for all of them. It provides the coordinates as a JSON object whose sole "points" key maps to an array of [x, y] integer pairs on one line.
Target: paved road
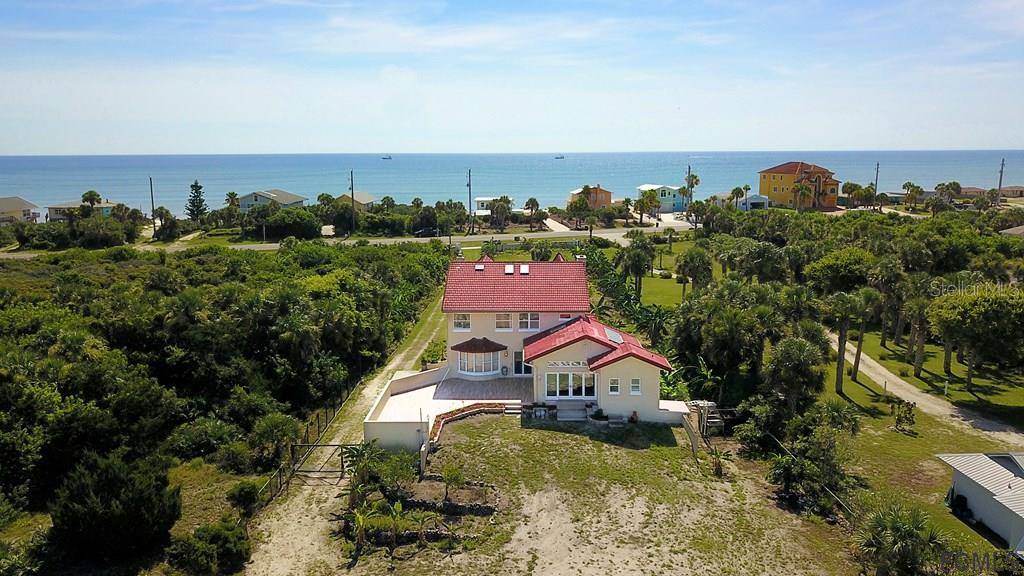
{"points": [[929, 403], [615, 235]]}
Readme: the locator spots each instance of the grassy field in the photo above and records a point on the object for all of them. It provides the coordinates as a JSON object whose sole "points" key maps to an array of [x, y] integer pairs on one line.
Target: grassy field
{"points": [[905, 464], [995, 393], [588, 501]]}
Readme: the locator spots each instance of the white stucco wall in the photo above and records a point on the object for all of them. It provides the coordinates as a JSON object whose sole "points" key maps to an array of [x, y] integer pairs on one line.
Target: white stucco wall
{"points": [[482, 326], [983, 505]]}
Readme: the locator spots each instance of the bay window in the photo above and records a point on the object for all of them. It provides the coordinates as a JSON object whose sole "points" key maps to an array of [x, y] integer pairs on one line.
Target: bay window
{"points": [[479, 363]]}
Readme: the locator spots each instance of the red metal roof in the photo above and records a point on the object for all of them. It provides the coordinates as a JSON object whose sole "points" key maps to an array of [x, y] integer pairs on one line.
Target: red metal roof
{"points": [[588, 328], [483, 286]]}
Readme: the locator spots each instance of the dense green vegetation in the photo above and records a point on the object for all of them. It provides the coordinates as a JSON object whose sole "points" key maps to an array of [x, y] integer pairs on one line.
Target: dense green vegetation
{"points": [[113, 362], [754, 338]]}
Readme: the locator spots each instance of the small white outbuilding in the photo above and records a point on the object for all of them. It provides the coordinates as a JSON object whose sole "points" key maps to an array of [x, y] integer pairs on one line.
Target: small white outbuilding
{"points": [[992, 488]]}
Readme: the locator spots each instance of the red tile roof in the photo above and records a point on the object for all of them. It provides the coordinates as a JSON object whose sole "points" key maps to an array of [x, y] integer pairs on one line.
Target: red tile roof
{"points": [[794, 168], [483, 286], [588, 328], [479, 346]]}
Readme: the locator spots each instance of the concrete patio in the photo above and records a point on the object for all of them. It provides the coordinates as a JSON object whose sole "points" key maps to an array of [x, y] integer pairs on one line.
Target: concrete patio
{"points": [[422, 404]]}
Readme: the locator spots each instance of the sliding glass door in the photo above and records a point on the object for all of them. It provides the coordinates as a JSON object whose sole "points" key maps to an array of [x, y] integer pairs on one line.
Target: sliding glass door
{"points": [[570, 385]]}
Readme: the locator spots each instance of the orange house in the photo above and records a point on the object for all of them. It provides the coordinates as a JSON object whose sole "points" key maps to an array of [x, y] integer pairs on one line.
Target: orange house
{"points": [[777, 184], [597, 197]]}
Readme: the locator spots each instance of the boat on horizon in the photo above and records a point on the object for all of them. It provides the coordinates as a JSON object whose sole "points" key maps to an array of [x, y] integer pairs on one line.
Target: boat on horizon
{"points": [[559, 157], [388, 157]]}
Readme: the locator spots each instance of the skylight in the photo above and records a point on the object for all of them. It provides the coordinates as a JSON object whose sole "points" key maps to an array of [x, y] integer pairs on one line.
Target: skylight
{"points": [[478, 267], [524, 268], [510, 268], [613, 335]]}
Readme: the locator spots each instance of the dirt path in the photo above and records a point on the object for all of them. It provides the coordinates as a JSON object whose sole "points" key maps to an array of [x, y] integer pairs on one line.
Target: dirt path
{"points": [[965, 418], [293, 536]]}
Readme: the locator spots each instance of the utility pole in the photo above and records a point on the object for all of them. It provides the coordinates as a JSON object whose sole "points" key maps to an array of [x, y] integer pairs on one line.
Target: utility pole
{"points": [[352, 196], [152, 206], [472, 211], [999, 190], [876, 184]]}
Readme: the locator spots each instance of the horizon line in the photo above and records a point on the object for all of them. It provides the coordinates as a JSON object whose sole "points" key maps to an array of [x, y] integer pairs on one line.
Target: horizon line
{"points": [[556, 152]]}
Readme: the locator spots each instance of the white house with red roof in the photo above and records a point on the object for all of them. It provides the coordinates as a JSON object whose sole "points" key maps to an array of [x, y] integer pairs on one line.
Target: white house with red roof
{"points": [[520, 334], [531, 320]]}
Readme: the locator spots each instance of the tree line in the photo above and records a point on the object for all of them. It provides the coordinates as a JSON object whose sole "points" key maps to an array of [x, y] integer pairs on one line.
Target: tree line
{"points": [[116, 364]]}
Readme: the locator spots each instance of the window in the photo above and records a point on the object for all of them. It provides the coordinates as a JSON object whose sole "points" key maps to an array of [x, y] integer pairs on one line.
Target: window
{"points": [[503, 322], [529, 321], [634, 387], [613, 386], [462, 322], [483, 363], [519, 367], [570, 384]]}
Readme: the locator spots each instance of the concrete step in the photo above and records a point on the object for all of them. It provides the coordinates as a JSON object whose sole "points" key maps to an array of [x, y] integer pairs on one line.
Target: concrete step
{"points": [[571, 415], [513, 409]]}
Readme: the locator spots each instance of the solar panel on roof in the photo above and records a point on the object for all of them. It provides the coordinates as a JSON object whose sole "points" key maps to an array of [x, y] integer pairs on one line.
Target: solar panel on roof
{"points": [[613, 335]]}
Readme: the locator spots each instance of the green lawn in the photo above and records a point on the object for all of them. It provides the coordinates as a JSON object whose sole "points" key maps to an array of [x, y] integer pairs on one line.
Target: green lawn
{"points": [[905, 464], [666, 292], [999, 394]]}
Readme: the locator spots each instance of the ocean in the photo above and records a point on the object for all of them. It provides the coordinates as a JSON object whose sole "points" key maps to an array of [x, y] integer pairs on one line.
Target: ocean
{"points": [[46, 180]]}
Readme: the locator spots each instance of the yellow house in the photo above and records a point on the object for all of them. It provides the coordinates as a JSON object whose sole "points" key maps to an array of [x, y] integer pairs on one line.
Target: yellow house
{"points": [[777, 184], [15, 209]]}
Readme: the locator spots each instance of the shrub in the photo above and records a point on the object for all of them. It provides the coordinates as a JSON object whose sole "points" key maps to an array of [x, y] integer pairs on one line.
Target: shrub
{"points": [[297, 222], [269, 437], [397, 471], [853, 335], [434, 352], [200, 437], [220, 548], [230, 542], [192, 556], [601, 242], [110, 508], [904, 372], [234, 457], [665, 275], [244, 408], [99, 232], [244, 496]]}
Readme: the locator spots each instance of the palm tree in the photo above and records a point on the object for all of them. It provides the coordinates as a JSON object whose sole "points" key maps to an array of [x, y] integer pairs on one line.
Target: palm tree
{"points": [[736, 194], [360, 520], [870, 299], [670, 234], [842, 307], [591, 220], [794, 372], [718, 458], [692, 181], [91, 198], [394, 516], [898, 540], [801, 192], [231, 199], [424, 519], [661, 251], [634, 262], [359, 459], [746, 190], [532, 205]]}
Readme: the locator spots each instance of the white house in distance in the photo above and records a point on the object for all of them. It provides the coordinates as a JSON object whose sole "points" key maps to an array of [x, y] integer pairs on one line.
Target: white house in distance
{"points": [[991, 486], [363, 201], [521, 333], [14, 209], [264, 197], [753, 202], [673, 198]]}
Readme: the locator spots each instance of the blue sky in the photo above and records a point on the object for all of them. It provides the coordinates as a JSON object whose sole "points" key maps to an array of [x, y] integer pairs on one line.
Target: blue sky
{"points": [[252, 76]]}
